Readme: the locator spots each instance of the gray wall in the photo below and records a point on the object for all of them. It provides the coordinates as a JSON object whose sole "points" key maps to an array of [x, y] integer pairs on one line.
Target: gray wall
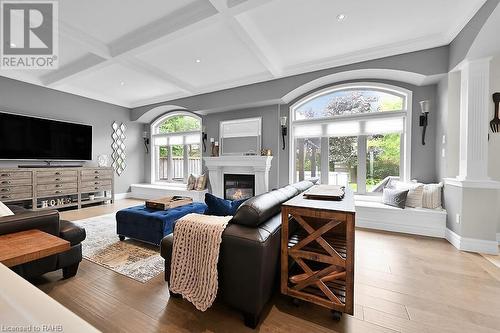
{"points": [[423, 159], [28, 99], [463, 41], [426, 62], [270, 132]]}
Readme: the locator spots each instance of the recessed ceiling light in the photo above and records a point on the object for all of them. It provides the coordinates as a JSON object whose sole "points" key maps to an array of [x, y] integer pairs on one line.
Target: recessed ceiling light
{"points": [[197, 61], [340, 17], [122, 83], [13, 45]]}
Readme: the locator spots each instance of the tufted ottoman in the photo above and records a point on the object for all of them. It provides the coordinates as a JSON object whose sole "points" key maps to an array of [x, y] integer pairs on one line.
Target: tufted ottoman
{"points": [[150, 225]]}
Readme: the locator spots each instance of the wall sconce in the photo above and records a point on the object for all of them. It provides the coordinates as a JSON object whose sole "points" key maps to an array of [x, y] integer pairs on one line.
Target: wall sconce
{"points": [[284, 130], [145, 137], [424, 106], [204, 137]]}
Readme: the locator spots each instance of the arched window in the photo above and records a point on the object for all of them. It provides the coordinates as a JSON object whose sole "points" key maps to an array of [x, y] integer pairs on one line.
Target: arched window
{"points": [[176, 147], [352, 134]]}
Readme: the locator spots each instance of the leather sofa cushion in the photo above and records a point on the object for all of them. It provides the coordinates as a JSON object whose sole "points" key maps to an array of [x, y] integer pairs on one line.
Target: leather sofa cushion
{"points": [[259, 209], [71, 232], [303, 185]]}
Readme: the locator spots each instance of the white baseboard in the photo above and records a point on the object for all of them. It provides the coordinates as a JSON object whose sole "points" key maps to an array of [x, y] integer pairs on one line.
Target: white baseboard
{"points": [[434, 231], [125, 195], [471, 244]]}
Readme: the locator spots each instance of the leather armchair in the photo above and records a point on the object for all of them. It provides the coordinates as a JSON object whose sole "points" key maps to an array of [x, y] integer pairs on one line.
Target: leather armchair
{"points": [[49, 222]]}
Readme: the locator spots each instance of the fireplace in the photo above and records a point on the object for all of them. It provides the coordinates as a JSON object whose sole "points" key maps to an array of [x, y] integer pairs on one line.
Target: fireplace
{"points": [[238, 187]]}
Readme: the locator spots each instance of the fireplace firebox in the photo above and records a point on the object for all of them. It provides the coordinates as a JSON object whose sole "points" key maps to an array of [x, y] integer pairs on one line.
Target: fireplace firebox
{"points": [[237, 187]]}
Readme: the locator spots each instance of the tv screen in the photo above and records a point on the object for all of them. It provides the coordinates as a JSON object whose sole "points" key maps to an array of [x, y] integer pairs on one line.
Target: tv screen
{"points": [[29, 138]]}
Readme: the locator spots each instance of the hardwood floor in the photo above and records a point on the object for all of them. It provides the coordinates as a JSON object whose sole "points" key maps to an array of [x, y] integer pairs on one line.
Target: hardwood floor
{"points": [[402, 284]]}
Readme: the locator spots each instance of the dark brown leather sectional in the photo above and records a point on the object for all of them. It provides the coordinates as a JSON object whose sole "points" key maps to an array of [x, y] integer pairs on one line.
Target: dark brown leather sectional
{"points": [[49, 222], [249, 259]]}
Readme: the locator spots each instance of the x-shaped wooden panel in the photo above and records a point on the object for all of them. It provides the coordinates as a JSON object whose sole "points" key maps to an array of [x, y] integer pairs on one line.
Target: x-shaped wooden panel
{"points": [[333, 258]]}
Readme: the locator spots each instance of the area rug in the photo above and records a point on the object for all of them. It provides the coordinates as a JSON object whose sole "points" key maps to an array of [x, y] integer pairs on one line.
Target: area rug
{"points": [[134, 259]]}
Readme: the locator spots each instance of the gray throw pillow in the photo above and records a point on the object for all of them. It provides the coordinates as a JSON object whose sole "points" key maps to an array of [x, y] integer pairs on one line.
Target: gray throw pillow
{"points": [[394, 197]]}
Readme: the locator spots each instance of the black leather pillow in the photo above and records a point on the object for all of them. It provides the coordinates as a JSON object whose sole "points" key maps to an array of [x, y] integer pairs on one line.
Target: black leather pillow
{"points": [[395, 198], [259, 209]]}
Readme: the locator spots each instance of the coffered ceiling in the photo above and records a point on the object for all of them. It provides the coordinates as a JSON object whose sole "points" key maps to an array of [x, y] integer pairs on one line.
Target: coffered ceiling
{"points": [[132, 53]]}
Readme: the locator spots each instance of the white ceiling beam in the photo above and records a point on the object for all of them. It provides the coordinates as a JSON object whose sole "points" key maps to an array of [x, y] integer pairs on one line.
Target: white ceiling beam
{"points": [[241, 6], [88, 42], [156, 72], [89, 62], [183, 20], [261, 52]]}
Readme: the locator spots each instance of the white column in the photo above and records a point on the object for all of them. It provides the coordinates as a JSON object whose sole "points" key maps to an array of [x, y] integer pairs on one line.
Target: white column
{"points": [[474, 122], [261, 179], [325, 165], [215, 176]]}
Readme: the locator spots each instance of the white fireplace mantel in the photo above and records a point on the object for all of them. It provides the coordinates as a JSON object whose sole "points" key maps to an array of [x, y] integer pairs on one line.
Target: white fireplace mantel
{"points": [[234, 164]]}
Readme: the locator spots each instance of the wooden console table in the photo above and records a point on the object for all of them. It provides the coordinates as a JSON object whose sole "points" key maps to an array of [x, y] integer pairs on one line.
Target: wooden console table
{"points": [[64, 187], [25, 246], [317, 252]]}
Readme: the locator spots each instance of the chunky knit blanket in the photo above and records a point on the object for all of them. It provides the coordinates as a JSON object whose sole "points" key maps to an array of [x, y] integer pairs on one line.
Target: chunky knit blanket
{"points": [[195, 255]]}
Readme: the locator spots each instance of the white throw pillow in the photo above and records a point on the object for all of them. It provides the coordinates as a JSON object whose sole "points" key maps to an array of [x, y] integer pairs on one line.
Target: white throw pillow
{"points": [[415, 194], [4, 210], [432, 196]]}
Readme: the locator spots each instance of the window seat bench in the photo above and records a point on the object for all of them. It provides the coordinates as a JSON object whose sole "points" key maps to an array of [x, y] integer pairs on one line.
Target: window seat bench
{"points": [[371, 213], [152, 191]]}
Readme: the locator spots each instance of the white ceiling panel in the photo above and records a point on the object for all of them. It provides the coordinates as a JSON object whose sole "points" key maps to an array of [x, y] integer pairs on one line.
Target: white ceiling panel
{"points": [[153, 45], [206, 57], [108, 20], [307, 31], [120, 84]]}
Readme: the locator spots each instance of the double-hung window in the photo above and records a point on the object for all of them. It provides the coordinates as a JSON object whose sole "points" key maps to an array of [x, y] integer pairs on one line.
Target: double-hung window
{"points": [[355, 135], [176, 149]]}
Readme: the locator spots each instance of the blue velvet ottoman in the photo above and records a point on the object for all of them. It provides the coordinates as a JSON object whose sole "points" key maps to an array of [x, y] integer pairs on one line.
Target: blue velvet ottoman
{"points": [[150, 225]]}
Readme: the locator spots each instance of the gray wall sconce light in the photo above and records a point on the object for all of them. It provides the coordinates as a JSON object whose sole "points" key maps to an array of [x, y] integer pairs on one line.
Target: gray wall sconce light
{"points": [[145, 137], [424, 106], [284, 130], [204, 137]]}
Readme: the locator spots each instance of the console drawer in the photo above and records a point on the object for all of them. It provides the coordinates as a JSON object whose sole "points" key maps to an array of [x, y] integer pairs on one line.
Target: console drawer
{"points": [[96, 188], [51, 193], [15, 196], [15, 189], [56, 180], [97, 182], [11, 182], [56, 173], [15, 175], [104, 173], [51, 187], [94, 177]]}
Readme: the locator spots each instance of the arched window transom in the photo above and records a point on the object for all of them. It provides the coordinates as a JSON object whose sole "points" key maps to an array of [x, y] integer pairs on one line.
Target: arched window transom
{"points": [[356, 135]]}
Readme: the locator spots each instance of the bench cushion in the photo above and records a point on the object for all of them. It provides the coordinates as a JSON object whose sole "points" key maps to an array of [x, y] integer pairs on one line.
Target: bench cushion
{"points": [[150, 225]]}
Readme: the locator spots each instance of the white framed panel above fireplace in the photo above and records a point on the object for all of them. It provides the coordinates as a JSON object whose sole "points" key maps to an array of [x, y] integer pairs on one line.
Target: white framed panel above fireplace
{"points": [[240, 136], [258, 166]]}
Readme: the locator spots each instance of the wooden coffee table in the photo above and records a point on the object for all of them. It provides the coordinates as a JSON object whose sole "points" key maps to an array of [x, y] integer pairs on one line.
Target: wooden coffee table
{"points": [[25, 246]]}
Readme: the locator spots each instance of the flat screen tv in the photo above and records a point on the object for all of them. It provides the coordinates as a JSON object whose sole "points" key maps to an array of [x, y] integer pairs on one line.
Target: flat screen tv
{"points": [[30, 138]]}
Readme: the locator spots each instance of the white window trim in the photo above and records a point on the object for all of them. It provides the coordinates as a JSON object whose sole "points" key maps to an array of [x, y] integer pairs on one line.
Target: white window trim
{"points": [[154, 151], [405, 168]]}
